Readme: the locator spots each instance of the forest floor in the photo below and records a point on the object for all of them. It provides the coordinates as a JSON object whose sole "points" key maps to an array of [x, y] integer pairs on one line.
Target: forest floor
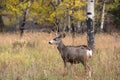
{"points": [[32, 58]]}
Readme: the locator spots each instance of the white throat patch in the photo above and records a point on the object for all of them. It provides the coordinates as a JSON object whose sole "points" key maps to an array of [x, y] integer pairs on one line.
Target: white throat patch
{"points": [[52, 41]]}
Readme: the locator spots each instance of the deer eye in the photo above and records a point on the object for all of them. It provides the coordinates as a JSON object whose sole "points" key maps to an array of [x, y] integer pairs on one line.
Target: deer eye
{"points": [[56, 39]]}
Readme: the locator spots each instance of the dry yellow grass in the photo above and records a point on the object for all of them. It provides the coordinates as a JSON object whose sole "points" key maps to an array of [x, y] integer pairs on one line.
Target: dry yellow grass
{"points": [[32, 58]]}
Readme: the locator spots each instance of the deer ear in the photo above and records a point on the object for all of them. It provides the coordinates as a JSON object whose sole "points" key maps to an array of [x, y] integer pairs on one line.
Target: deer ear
{"points": [[62, 35]]}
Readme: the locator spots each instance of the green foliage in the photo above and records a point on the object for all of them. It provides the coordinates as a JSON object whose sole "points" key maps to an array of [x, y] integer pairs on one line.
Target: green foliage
{"points": [[114, 8], [45, 11], [12, 6]]}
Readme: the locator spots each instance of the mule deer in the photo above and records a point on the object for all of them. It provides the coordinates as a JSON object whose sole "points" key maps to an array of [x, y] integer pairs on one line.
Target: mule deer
{"points": [[73, 54]]}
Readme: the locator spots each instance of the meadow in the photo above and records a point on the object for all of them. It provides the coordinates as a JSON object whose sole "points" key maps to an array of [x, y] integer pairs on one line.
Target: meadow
{"points": [[32, 58]]}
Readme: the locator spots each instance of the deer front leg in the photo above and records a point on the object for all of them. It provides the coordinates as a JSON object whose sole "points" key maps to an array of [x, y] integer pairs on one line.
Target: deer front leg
{"points": [[72, 69], [65, 68]]}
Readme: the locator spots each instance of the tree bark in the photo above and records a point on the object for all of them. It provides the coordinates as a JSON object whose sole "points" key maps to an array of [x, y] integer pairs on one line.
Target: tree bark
{"points": [[90, 24], [1, 24], [57, 23], [72, 21], [25, 14]]}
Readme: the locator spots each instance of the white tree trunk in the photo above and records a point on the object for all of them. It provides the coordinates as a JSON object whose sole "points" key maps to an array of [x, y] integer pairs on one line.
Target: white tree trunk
{"points": [[78, 24], [103, 18], [90, 9], [90, 24], [69, 19]]}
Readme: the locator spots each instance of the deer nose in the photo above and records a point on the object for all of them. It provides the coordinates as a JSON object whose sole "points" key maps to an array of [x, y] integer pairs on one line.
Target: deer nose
{"points": [[50, 43]]}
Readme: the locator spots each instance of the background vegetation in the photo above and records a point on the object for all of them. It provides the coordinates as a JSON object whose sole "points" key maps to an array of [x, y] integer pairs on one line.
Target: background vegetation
{"points": [[32, 58]]}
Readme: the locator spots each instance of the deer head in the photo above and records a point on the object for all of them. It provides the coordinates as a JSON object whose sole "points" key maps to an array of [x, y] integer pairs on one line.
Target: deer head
{"points": [[57, 39]]}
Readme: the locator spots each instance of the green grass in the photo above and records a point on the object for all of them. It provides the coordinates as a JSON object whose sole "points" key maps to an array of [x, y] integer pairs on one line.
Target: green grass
{"points": [[32, 58]]}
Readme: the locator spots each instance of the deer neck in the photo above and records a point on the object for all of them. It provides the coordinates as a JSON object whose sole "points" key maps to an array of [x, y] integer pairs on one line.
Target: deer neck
{"points": [[61, 47]]}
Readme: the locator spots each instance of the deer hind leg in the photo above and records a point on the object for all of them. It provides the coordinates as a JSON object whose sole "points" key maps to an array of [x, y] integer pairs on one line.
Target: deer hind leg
{"points": [[87, 69]]}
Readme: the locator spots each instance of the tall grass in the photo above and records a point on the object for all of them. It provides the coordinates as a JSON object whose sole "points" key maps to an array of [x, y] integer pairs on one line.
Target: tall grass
{"points": [[32, 58]]}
